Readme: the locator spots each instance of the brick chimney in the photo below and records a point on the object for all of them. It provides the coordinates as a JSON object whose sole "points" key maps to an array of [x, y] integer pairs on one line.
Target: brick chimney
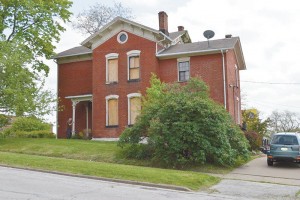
{"points": [[163, 22], [180, 28], [228, 36]]}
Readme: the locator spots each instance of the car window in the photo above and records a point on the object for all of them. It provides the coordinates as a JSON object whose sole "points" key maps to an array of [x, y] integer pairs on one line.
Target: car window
{"points": [[285, 140]]}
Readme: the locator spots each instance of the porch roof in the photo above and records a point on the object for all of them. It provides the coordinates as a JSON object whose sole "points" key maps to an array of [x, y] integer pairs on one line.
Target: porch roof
{"points": [[84, 97]]}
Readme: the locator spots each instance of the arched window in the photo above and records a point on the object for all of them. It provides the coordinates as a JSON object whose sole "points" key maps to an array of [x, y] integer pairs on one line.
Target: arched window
{"points": [[134, 107], [112, 116]]}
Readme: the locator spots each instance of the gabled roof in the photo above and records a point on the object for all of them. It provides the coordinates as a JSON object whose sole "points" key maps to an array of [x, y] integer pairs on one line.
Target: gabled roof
{"points": [[183, 34], [201, 48], [76, 51], [175, 35], [123, 24]]}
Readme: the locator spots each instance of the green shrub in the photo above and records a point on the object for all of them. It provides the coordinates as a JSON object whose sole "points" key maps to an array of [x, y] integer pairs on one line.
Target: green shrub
{"points": [[9, 133], [3, 120], [78, 136], [184, 126], [30, 124], [28, 127]]}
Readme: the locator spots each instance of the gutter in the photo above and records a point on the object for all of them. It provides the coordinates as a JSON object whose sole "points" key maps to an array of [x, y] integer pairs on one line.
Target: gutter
{"points": [[70, 55], [189, 52], [224, 78]]}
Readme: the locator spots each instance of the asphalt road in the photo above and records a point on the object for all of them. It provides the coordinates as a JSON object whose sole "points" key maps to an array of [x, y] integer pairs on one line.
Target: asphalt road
{"points": [[17, 184], [254, 180]]}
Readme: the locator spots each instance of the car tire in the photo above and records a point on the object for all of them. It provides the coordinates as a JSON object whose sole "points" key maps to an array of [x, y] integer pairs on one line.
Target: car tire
{"points": [[270, 163]]}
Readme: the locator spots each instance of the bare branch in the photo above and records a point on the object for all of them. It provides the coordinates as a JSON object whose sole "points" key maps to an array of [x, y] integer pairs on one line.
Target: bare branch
{"points": [[91, 20]]}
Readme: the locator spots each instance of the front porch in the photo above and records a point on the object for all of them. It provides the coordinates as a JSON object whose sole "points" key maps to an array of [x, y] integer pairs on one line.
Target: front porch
{"points": [[82, 104]]}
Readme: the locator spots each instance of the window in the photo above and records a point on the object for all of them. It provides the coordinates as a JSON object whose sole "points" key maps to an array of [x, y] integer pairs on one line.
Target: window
{"points": [[112, 117], [183, 69], [134, 107], [112, 68], [122, 37], [133, 65]]}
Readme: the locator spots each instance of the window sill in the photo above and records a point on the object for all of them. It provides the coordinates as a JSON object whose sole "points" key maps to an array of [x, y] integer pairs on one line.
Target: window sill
{"points": [[111, 83], [112, 126], [134, 80], [183, 81]]}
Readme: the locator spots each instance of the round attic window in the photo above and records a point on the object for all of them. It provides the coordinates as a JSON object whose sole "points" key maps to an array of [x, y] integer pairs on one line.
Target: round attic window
{"points": [[122, 37]]}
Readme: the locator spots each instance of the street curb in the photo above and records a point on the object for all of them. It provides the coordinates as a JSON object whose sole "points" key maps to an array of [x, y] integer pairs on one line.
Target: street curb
{"points": [[162, 186]]}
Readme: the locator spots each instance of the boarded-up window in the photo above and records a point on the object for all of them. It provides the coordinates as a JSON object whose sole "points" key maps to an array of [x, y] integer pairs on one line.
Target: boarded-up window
{"points": [[112, 70], [135, 108], [134, 67], [113, 112]]}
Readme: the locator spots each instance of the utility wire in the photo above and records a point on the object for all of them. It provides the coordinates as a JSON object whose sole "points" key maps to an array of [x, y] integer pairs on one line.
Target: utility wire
{"points": [[271, 83], [272, 104]]}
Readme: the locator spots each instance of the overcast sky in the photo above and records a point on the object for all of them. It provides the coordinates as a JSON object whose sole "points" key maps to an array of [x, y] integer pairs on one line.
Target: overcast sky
{"points": [[269, 32]]}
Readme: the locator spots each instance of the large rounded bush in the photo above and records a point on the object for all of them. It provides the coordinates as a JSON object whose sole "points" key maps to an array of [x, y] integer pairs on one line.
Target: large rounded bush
{"points": [[184, 126]]}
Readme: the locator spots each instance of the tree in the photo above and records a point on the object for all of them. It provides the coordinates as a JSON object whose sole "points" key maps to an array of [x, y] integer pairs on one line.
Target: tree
{"points": [[27, 32], [34, 24], [184, 126], [21, 90], [285, 121], [91, 20], [256, 127]]}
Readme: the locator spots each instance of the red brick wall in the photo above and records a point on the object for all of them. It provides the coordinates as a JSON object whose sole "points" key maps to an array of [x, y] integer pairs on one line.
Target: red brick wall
{"points": [[89, 77], [73, 79], [148, 62], [207, 67], [233, 91]]}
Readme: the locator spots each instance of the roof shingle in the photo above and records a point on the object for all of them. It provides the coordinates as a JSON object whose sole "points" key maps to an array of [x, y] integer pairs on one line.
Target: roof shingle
{"points": [[226, 43], [80, 50]]}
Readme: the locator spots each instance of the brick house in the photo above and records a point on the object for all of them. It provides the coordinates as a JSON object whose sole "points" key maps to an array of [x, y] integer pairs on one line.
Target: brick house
{"points": [[100, 83]]}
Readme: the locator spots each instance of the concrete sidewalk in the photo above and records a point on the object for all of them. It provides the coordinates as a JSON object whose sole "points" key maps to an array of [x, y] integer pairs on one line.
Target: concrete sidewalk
{"points": [[256, 180], [258, 170]]}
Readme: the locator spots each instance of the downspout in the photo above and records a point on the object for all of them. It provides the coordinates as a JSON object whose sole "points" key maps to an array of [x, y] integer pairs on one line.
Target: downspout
{"points": [[57, 97], [224, 79]]}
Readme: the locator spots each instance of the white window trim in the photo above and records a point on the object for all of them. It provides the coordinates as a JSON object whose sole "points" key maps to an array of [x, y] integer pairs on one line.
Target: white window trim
{"points": [[119, 35], [131, 54], [110, 56], [129, 96], [184, 59], [107, 98]]}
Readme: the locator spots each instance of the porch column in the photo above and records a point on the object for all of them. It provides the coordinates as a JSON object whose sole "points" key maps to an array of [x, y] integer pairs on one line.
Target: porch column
{"points": [[74, 103], [87, 119]]}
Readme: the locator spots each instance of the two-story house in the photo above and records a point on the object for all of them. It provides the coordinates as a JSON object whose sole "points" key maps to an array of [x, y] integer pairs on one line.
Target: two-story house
{"points": [[100, 83]]}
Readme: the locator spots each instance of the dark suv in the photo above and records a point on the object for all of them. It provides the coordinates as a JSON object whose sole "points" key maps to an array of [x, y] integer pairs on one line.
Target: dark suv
{"points": [[284, 147]]}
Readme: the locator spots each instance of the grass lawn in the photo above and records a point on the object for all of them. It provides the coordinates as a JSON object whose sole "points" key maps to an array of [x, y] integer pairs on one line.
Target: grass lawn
{"points": [[191, 180], [84, 150], [62, 148]]}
